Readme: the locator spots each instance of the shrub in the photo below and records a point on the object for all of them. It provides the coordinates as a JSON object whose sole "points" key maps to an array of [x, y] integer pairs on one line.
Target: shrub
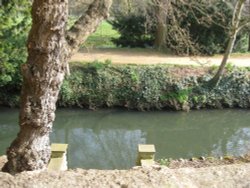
{"points": [[205, 30], [14, 25], [97, 85], [134, 31]]}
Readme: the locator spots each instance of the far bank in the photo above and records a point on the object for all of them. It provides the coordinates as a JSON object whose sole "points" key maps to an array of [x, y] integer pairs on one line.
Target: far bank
{"points": [[147, 87]]}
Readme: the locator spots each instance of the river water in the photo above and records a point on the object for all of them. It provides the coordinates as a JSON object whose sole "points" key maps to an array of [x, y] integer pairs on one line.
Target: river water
{"points": [[108, 139]]}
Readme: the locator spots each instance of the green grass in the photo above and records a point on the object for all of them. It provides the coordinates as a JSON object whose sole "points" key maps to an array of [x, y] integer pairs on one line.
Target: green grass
{"points": [[102, 37]]}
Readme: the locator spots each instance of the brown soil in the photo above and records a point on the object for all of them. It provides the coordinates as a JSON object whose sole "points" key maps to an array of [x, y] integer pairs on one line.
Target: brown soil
{"points": [[149, 56], [3, 160], [187, 71], [234, 175], [207, 162]]}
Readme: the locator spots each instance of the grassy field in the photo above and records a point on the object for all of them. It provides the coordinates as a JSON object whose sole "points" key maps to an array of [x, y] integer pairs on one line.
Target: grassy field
{"points": [[102, 37]]}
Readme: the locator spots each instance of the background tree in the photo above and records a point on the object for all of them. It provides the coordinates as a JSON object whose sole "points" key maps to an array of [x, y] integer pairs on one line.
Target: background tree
{"points": [[49, 48], [196, 27], [14, 24], [248, 15], [76, 7], [182, 27], [161, 12], [237, 24], [134, 25]]}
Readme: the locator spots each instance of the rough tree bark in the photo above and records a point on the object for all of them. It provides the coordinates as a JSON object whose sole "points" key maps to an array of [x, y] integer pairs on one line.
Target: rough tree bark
{"points": [[233, 33], [49, 48], [249, 31], [249, 42]]}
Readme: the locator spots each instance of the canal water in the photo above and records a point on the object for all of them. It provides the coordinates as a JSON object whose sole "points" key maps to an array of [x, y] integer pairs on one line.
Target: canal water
{"points": [[108, 139]]}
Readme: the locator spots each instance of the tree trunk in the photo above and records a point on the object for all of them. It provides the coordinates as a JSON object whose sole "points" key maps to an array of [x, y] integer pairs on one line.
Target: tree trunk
{"points": [[248, 4], [233, 33], [161, 14], [129, 5], [42, 77], [48, 52], [249, 41], [215, 80]]}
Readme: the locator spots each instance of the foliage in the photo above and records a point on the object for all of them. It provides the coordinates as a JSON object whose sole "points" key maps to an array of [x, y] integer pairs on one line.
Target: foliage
{"points": [[14, 24], [232, 91], [101, 84], [201, 29], [135, 87], [165, 162], [209, 30], [102, 37], [97, 84], [134, 31], [241, 43]]}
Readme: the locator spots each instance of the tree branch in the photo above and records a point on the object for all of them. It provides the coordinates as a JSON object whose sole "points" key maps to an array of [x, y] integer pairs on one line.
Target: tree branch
{"points": [[87, 24], [244, 24]]}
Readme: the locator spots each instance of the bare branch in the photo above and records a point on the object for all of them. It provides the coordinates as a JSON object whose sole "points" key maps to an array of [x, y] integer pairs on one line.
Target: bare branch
{"points": [[233, 33], [87, 24], [244, 23]]}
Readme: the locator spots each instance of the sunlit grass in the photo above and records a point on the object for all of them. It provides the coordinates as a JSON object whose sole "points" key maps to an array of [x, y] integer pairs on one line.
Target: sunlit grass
{"points": [[102, 37]]}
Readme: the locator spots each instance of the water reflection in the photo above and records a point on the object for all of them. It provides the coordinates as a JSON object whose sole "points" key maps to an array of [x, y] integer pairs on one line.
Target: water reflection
{"points": [[97, 139], [239, 142], [108, 139]]}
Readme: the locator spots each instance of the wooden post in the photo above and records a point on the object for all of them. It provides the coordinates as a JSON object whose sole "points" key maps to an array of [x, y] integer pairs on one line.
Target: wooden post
{"points": [[146, 155], [58, 160]]}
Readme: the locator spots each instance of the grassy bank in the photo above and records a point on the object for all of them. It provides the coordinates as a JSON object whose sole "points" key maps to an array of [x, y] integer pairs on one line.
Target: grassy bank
{"points": [[97, 85], [155, 87]]}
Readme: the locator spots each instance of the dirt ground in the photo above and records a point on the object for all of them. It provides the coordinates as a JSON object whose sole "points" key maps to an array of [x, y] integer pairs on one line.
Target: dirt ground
{"points": [[221, 176], [149, 56]]}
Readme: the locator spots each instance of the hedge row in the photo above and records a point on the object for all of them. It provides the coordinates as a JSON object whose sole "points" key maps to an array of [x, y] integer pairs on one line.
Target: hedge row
{"points": [[97, 85]]}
